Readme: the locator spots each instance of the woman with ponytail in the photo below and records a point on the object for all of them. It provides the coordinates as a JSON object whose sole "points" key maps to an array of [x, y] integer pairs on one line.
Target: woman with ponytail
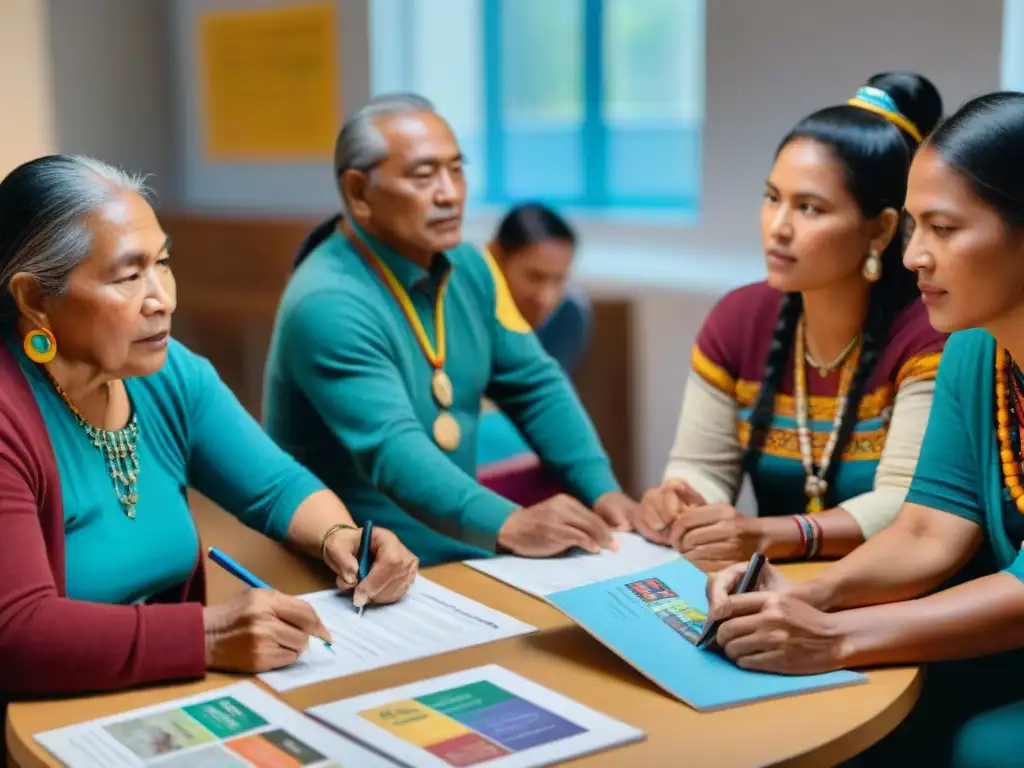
{"points": [[944, 584], [818, 382]]}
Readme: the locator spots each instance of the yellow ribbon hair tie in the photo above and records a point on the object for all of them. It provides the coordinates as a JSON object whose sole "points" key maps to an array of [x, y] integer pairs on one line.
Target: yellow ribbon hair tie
{"points": [[881, 103]]}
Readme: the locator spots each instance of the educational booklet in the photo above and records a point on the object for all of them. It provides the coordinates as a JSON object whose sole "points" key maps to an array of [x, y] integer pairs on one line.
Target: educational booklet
{"points": [[485, 716], [652, 619], [238, 726]]}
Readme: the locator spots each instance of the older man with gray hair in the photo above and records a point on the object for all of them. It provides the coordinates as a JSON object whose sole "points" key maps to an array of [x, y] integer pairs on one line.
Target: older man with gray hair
{"points": [[388, 335]]}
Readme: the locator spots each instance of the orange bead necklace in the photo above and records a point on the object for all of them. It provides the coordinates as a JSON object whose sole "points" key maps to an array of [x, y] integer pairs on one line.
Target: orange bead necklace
{"points": [[1009, 407]]}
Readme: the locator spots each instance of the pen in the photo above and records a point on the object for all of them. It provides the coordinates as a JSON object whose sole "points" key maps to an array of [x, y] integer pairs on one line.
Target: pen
{"points": [[365, 555], [243, 574], [746, 584]]}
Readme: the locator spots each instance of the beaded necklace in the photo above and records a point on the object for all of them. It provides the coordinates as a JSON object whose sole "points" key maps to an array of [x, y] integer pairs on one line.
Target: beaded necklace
{"points": [[815, 486], [1009, 401], [119, 450], [824, 369]]}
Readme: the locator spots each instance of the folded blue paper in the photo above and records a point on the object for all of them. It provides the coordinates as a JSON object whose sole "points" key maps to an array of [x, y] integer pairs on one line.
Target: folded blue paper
{"points": [[652, 620]]}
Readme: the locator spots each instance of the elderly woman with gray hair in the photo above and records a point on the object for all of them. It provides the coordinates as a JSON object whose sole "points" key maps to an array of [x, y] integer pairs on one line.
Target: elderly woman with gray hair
{"points": [[105, 421]]}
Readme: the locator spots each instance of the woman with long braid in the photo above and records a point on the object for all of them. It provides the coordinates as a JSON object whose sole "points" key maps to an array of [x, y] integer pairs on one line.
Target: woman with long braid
{"points": [[817, 383]]}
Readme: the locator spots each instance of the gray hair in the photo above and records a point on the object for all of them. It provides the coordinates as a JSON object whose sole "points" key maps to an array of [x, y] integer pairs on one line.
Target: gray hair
{"points": [[360, 145], [44, 204]]}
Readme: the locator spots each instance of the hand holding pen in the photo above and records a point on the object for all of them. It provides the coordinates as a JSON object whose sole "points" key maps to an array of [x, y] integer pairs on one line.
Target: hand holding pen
{"points": [[258, 630], [371, 563]]}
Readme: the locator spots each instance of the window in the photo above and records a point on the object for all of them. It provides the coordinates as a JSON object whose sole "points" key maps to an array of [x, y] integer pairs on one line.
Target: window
{"points": [[596, 104]]}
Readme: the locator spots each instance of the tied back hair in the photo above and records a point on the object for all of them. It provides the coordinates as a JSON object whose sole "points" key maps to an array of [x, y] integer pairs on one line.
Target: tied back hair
{"points": [[361, 147], [875, 155], [530, 223], [978, 140], [44, 205]]}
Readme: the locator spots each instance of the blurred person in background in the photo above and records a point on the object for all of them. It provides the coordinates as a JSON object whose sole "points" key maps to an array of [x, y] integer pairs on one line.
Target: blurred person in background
{"points": [[535, 248]]}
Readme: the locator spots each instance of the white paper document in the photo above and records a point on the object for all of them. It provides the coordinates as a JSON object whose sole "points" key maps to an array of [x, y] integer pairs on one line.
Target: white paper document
{"points": [[484, 716], [429, 620], [542, 576], [238, 726]]}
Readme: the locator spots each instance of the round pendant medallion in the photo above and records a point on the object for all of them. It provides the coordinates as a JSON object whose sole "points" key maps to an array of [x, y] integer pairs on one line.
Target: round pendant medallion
{"points": [[447, 433], [441, 386]]}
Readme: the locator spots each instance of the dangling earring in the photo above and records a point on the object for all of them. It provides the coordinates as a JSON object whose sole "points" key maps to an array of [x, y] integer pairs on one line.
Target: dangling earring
{"points": [[40, 346], [872, 269]]}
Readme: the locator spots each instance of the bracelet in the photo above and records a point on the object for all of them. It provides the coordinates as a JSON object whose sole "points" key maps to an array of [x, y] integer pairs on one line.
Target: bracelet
{"points": [[810, 535], [816, 527], [330, 532], [802, 551]]}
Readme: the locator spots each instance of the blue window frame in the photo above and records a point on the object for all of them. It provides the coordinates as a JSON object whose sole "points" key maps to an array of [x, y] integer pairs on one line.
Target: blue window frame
{"points": [[593, 103], [588, 104]]}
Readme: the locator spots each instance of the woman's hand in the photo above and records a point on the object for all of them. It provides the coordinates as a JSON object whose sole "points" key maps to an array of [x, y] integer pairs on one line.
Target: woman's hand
{"points": [[773, 632], [392, 573], [661, 506], [259, 630], [715, 536], [723, 582]]}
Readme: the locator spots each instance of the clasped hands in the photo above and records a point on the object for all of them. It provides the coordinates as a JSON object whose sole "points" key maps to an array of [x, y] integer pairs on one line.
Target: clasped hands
{"points": [[260, 630], [711, 536]]}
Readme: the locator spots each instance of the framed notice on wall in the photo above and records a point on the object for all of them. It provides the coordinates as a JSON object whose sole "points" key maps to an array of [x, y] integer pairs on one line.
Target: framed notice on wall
{"points": [[270, 85]]}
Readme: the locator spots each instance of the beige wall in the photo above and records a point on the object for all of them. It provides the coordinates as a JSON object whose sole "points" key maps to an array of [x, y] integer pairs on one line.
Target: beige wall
{"points": [[26, 126], [112, 84]]}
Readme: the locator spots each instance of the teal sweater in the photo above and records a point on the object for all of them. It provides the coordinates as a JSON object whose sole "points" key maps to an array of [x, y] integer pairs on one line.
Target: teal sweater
{"points": [[347, 392], [959, 470], [192, 432]]}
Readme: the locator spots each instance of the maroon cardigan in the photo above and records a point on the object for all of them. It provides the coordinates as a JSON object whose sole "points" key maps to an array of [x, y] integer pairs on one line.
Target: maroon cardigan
{"points": [[50, 644]]}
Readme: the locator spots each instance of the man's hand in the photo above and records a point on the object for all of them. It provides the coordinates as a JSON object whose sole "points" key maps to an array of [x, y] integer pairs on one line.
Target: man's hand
{"points": [[554, 526], [715, 536]]}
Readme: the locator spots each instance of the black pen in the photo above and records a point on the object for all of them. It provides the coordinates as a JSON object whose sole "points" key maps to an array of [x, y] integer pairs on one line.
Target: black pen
{"points": [[746, 584], [365, 555]]}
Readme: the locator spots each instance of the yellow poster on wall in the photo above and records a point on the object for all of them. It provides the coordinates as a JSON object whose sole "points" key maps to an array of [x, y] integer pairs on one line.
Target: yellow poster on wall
{"points": [[269, 79]]}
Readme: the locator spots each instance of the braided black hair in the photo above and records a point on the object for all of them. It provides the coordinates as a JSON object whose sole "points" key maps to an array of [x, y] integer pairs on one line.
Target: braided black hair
{"points": [[322, 231], [876, 156]]}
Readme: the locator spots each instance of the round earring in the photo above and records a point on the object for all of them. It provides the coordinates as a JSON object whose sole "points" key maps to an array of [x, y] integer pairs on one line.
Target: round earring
{"points": [[40, 346], [872, 269]]}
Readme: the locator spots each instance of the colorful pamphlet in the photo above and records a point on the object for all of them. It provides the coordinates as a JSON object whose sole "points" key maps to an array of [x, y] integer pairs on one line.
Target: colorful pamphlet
{"points": [[486, 716], [238, 726]]}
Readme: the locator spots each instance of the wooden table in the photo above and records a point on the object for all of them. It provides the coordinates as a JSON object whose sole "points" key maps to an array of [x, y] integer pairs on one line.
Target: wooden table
{"points": [[814, 729]]}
